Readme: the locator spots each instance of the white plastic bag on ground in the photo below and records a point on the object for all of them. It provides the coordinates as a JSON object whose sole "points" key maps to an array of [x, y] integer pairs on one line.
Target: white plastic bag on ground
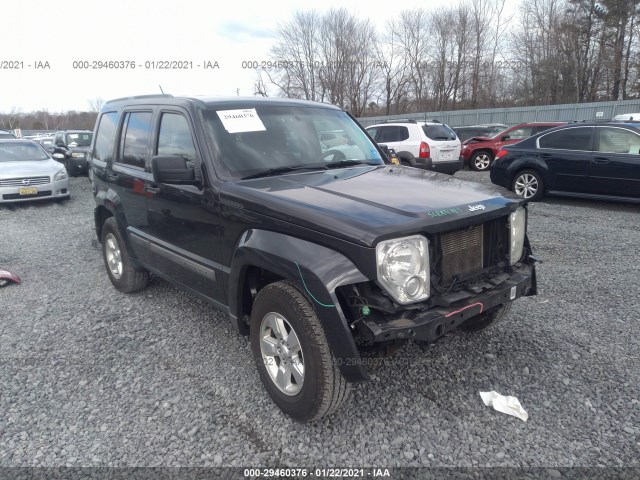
{"points": [[508, 405]]}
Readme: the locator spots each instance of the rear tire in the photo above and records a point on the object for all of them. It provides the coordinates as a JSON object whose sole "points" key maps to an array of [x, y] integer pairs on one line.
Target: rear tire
{"points": [[292, 354], [486, 319], [529, 185], [121, 272]]}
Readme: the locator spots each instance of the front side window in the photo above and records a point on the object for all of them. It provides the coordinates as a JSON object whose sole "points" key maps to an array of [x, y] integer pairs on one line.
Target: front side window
{"points": [[568, 139], [135, 138], [618, 140], [252, 140], [520, 133], [175, 137]]}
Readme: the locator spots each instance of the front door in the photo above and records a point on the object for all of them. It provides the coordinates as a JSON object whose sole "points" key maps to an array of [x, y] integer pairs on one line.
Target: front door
{"points": [[184, 220]]}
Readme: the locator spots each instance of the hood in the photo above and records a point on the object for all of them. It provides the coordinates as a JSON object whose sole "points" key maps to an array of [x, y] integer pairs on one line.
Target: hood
{"points": [[478, 139], [365, 204], [34, 168]]}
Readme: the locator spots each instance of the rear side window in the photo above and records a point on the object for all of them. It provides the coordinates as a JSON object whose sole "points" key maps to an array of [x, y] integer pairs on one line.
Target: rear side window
{"points": [[135, 138], [618, 140], [175, 137], [438, 132], [391, 133], [569, 139], [106, 133]]}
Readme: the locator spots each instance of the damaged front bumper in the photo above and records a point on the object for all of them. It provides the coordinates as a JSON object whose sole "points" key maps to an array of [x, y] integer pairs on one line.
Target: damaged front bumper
{"points": [[453, 309]]}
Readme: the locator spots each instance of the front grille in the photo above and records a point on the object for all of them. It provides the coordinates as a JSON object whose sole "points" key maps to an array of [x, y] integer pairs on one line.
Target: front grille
{"points": [[24, 181], [470, 255], [462, 253], [16, 196]]}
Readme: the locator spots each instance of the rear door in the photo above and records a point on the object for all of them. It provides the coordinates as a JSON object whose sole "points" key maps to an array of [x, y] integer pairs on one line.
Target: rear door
{"points": [[127, 175], [398, 138], [615, 168], [567, 154]]}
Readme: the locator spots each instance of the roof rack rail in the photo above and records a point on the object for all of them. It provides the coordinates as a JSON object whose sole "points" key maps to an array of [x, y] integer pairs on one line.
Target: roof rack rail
{"points": [[400, 120], [136, 97], [433, 120]]}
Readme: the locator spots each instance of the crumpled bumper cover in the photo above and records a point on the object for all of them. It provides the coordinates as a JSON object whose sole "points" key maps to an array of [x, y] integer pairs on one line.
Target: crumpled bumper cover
{"points": [[428, 326]]}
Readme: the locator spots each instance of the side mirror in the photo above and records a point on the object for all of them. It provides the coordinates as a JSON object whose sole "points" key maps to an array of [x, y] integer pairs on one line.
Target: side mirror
{"points": [[506, 137], [172, 169], [58, 156]]}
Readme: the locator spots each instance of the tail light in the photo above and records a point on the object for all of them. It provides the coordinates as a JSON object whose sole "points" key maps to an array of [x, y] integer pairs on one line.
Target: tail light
{"points": [[425, 151], [501, 153]]}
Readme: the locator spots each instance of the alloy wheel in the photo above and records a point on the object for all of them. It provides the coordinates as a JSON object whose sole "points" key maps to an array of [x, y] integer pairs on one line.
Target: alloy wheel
{"points": [[526, 185], [282, 353], [114, 260], [482, 161]]}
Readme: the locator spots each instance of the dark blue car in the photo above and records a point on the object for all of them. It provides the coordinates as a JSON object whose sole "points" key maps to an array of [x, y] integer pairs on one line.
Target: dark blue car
{"points": [[598, 160]]}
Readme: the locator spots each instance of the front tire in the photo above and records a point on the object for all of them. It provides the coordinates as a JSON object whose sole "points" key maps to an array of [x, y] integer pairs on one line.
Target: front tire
{"points": [[121, 272], [481, 161], [529, 185], [292, 354], [486, 319]]}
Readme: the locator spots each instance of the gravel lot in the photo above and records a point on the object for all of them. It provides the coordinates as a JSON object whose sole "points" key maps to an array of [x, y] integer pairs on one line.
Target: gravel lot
{"points": [[93, 377]]}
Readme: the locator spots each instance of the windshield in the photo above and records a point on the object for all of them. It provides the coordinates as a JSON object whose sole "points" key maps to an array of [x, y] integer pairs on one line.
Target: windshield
{"points": [[79, 139], [21, 151], [280, 138]]}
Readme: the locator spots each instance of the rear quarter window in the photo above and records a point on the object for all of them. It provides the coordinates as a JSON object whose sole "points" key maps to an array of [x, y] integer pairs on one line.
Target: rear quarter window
{"points": [[105, 135]]}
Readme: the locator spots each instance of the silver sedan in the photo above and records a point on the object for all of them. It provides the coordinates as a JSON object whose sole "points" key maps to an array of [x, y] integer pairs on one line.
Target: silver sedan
{"points": [[27, 172]]}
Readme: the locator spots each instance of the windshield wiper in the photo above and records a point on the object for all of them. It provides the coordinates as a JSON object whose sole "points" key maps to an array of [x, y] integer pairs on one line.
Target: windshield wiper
{"points": [[350, 163], [280, 170]]}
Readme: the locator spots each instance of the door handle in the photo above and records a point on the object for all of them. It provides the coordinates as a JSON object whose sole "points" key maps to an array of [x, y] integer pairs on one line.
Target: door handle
{"points": [[151, 188], [546, 155], [601, 160], [112, 177]]}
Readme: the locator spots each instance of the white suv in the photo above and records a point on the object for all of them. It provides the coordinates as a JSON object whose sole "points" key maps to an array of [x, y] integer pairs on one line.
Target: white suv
{"points": [[431, 145]]}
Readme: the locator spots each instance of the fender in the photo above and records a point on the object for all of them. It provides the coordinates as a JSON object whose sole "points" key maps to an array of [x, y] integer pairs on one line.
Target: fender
{"points": [[109, 200], [317, 271]]}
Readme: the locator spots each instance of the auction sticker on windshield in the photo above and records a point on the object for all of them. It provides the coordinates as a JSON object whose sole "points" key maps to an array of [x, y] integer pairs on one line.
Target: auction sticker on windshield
{"points": [[242, 120]]}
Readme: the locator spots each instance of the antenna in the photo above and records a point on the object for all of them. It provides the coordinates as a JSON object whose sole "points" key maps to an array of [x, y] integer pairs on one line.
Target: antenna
{"points": [[161, 89]]}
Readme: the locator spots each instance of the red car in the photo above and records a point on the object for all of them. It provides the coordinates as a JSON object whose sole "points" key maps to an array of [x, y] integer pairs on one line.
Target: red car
{"points": [[479, 152]]}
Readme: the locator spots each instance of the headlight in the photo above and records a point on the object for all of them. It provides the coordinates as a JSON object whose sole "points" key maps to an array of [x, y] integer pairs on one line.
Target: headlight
{"points": [[517, 227], [77, 155], [403, 268], [61, 175]]}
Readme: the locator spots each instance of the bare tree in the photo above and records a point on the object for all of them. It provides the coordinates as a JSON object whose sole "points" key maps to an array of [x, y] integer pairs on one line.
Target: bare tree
{"points": [[95, 104]]}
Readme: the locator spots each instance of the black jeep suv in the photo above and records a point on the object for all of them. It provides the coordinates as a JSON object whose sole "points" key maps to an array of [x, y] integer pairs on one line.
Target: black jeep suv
{"points": [[70, 147], [324, 256]]}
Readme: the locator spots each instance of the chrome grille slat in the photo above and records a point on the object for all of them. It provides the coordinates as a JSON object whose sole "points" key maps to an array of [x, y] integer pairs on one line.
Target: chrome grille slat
{"points": [[462, 252], [18, 182]]}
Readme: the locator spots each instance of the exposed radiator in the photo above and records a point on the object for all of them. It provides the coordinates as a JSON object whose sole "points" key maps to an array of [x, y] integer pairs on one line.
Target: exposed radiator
{"points": [[462, 252]]}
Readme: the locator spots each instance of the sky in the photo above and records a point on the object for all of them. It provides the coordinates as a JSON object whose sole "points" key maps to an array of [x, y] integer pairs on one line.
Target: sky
{"points": [[49, 43]]}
